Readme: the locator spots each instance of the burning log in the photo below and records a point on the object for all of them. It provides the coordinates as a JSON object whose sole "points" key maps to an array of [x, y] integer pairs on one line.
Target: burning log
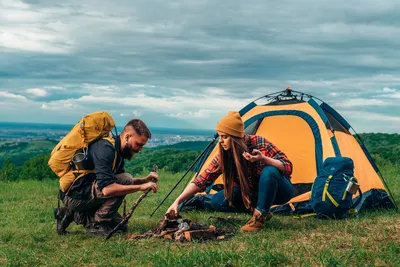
{"points": [[178, 229], [200, 235]]}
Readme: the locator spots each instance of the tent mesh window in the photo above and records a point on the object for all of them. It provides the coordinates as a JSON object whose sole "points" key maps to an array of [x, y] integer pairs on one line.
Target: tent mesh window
{"points": [[336, 125], [252, 128]]}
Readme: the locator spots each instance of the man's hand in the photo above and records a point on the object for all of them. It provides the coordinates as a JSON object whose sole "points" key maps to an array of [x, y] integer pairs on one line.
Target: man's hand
{"points": [[255, 155], [152, 177], [151, 185]]}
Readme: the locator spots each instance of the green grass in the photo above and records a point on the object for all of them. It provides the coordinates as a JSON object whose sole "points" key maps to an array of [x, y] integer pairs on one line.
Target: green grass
{"points": [[28, 237]]}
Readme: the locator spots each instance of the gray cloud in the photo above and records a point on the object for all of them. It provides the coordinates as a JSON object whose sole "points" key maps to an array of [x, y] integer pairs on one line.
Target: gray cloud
{"points": [[180, 52]]}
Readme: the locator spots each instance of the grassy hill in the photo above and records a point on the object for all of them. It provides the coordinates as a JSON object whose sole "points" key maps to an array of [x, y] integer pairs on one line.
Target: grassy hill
{"points": [[28, 237], [170, 159]]}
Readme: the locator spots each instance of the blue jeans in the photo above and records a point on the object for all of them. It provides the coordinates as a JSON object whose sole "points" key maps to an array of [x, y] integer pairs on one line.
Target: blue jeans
{"points": [[273, 189]]}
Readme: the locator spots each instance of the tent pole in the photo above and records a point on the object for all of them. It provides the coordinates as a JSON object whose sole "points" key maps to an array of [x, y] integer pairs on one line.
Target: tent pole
{"points": [[191, 166]]}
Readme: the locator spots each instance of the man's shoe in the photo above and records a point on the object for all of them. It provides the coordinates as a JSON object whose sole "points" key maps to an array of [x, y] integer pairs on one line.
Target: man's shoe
{"points": [[63, 217], [256, 223]]}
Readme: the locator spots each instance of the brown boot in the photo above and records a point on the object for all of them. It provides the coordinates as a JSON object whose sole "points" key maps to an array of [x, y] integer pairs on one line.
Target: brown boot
{"points": [[256, 223]]}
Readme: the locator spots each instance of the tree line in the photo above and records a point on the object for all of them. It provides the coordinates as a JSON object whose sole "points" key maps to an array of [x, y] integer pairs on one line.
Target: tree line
{"points": [[168, 159], [384, 148]]}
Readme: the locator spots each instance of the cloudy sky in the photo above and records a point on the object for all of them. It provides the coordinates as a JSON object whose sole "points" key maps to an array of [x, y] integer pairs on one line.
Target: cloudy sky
{"points": [[186, 63]]}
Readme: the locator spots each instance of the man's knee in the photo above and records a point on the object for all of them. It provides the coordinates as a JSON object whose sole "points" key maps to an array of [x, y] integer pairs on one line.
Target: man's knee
{"points": [[108, 208], [74, 204]]}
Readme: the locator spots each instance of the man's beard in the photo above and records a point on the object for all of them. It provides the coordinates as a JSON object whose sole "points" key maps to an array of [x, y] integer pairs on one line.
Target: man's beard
{"points": [[128, 153]]}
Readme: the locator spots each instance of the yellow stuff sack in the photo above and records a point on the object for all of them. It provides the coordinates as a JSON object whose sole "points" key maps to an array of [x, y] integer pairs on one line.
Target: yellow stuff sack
{"points": [[92, 127]]}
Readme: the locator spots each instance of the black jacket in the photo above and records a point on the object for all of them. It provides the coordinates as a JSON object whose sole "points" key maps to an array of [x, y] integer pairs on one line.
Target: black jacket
{"points": [[101, 155]]}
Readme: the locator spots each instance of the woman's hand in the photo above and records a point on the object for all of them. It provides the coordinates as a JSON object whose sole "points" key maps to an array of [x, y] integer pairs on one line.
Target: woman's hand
{"points": [[172, 211], [255, 155], [189, 191]]}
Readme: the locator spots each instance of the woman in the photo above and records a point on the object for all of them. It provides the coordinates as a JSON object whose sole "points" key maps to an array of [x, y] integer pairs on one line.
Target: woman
{"points": [[256, 174]]}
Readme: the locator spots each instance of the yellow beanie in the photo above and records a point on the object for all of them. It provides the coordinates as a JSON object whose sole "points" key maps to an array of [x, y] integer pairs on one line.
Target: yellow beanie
{"points": [[231, 124]]}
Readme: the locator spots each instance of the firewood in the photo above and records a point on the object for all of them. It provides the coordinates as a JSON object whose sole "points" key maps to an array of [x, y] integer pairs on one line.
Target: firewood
{"points": [[199, 235]]}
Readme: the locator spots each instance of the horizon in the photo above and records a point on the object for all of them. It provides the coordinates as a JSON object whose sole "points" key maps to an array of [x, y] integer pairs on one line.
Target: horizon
{"points": [[118, 126], [185, 64], [168, 128]]}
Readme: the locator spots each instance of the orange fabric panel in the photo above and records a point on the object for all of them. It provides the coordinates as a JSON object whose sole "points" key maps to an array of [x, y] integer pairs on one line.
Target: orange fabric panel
{"points": [[205, 165], [209, 158], [330, 134], [327, 147], [219, 180], [302, 197], [299, 198], [294, 137], [299, 145], [363, 170]]}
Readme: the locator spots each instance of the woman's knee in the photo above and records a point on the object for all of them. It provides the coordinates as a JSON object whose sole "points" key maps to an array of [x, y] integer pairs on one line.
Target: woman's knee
{"points": [[269, 174], [217, 201], [286, 192]]}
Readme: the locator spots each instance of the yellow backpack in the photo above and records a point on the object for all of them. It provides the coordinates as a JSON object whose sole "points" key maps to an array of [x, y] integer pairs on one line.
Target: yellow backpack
{"points": [[73, 148]]}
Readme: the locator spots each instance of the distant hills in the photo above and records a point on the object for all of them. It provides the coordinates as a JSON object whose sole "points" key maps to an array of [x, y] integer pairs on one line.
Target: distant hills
{"points": [[19, 152], [382, 146], [196, 145]]}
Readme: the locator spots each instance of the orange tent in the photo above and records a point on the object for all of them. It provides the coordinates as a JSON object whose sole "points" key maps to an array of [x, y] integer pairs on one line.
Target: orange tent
{"points": [[308, 131]]}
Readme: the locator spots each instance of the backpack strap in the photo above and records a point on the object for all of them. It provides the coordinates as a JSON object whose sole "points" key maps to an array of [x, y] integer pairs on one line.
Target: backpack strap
{"points": [[358, 200], [111, 139], [301, 216], [332, 200], [326, 193], [115, 162], [59, 199], [77, 175]]}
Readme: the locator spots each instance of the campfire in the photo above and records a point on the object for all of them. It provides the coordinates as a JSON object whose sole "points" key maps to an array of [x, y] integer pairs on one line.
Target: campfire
{"points": [[183, 230]]}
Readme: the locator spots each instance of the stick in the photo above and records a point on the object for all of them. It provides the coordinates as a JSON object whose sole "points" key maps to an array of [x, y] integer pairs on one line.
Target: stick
{"points": [[126, 218]]}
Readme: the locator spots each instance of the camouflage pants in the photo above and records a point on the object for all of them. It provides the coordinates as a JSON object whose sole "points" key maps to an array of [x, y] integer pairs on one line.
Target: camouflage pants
{"points": [[98, 208]]}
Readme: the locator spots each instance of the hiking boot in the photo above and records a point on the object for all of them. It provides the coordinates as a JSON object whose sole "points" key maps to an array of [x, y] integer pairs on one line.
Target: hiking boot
{"points": [[63, 218], [256, 223]]}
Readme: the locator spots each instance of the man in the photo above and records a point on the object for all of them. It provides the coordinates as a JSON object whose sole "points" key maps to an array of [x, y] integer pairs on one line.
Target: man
{"points": [[94, 199]]}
